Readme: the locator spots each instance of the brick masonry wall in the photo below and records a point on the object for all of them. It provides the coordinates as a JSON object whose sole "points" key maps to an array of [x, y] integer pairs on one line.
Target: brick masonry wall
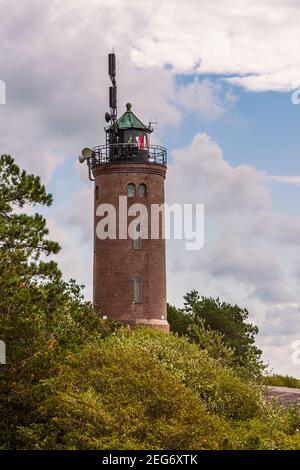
{"points": [[116, 262]]}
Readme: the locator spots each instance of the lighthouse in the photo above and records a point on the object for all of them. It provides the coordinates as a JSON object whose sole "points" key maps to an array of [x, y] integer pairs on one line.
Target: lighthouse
{"points": [[128, 172]]}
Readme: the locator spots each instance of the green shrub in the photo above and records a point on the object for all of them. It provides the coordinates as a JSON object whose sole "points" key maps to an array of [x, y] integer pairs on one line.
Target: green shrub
{"points": [[282, 381], [144, 389], [222, 391], [105, 397]]}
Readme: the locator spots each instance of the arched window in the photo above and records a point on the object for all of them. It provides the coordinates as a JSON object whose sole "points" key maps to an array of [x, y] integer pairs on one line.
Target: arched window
{"points": [[131, 190], [137, 288], [137, 241], [142, 190]]}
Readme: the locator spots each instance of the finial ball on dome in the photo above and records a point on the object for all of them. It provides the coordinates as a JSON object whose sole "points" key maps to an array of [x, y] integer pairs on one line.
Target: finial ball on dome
{"points": [[128, 106]]}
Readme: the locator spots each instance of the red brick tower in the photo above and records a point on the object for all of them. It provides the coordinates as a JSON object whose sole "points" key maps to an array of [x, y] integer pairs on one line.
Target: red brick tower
{"points": [[129, 274]]}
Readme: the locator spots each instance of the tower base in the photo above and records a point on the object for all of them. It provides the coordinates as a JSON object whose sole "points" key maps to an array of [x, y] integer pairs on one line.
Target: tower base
{"points": [[162, 325]]}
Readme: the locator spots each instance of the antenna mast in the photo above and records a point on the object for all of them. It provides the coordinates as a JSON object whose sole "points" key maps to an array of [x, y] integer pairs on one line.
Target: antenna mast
{"points": [[112, 92]]}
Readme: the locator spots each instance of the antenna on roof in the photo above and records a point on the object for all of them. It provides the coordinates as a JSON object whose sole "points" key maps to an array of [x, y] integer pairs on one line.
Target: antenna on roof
{"points": [[112, 90], [152, 124]]}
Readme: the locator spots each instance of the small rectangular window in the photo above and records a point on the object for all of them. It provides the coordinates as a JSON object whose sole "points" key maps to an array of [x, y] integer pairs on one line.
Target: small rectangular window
{"points": [[137, 243], [137, 284], [131, 190], [142, 190]]}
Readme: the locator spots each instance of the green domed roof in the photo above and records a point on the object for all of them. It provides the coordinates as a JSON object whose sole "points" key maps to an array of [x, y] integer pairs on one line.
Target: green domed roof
{"points": [[129, 120]]}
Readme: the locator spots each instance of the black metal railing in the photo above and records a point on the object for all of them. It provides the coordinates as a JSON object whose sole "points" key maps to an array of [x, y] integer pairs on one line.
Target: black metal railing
{"points": [[122, 153], [128, 152]]}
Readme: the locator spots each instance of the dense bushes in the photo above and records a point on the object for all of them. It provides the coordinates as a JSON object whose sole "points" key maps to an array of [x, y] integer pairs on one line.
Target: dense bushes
{"points": [[144, 389], [282, 381], [74, 381], [106, 398], [222, 390]]}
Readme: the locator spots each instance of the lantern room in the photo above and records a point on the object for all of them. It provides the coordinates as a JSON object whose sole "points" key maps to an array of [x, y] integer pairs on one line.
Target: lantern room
{"points": [[130, 130], [129, 137]]}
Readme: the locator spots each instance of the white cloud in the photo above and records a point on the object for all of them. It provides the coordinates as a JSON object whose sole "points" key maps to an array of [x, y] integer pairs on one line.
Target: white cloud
{"points": [[252, 38], [249, 248], [201, 96], [285, 179], [54, 64], [55, 70], [203, 175], [75, 258], [277, 227]]}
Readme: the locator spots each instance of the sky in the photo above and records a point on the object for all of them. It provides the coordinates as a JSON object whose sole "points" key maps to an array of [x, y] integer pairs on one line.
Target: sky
{"points": [[219, 78]]}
